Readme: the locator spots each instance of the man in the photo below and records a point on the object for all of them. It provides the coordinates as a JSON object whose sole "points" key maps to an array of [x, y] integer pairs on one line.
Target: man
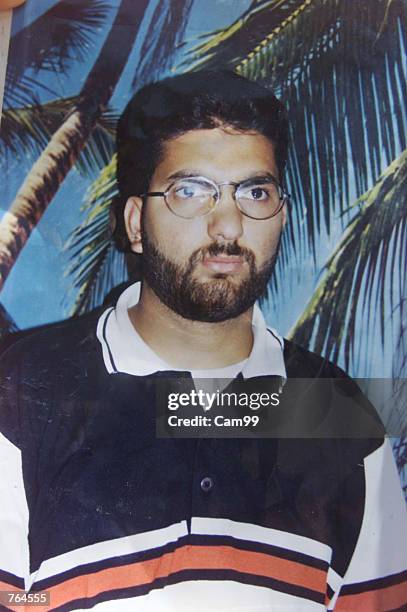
{"points": [[99, 511]]}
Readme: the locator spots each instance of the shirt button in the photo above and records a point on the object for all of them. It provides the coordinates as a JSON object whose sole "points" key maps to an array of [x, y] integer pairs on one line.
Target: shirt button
{"points": [[206, 484]]}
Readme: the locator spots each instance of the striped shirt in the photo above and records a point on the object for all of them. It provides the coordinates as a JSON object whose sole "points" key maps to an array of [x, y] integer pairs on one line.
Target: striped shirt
{"points": [[101, 513]]}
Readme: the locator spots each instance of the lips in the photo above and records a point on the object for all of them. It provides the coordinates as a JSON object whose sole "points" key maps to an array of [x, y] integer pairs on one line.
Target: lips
{"points": [[223, 263]]}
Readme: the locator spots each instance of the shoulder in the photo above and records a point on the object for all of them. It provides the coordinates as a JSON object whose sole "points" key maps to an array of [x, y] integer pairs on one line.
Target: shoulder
{"points": [[50, 347], [46, 374], [329, 393], [302, 363]]}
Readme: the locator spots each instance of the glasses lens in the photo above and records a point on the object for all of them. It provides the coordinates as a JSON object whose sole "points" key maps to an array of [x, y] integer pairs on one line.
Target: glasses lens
{"points": [[191, 197], [259, 200]]}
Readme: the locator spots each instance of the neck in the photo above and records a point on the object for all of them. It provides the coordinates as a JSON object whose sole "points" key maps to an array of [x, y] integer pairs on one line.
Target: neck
{"points": [[187, 344]]}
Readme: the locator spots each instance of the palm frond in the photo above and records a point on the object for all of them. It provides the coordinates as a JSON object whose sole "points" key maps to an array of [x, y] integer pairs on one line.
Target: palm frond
{"points": [[400, 353], [27, 130], [23, 91], [100, 146], [348, 125], [76, 23], [366, 274], [37, 46], [96, 265], [226, 47], [164, 34], [343, 86]]}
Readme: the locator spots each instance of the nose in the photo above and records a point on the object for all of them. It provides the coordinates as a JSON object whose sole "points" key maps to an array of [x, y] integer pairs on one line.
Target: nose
{"points": [[226, 220]]}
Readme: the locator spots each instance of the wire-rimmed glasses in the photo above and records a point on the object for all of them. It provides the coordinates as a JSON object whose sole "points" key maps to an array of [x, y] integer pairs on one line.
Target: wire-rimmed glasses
{"points": [[195, 196]]}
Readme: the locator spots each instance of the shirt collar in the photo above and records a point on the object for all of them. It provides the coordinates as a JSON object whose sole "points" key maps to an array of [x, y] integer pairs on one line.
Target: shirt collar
{"points": [[125, 351]]}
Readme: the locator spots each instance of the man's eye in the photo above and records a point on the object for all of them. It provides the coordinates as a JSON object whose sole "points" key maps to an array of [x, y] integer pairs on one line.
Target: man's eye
{"points": [[259, 194], [185, 192], [255, 193], [189, 191]]}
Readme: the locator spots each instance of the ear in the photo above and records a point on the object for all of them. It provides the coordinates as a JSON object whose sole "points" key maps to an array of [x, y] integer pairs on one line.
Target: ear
{"points": [[132, 220]]}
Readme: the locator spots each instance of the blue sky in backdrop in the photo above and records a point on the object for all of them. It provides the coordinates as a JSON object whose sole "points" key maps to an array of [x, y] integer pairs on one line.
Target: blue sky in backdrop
{"points": [[37, 291]]}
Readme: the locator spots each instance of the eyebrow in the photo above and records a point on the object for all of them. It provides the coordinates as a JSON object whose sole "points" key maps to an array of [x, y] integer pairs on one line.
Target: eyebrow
{"points": [[183, 174], [193, 174]]}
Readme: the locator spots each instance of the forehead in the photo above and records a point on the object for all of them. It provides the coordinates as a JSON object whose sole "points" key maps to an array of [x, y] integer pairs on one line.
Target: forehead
{"points": [[217, 153]]}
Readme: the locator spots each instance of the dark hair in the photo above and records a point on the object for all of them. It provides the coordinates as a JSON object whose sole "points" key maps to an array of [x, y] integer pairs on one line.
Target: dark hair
{"points": [[200, 100]]}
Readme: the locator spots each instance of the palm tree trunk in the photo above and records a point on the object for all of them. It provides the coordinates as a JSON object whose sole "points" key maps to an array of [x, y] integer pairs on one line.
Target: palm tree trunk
{"points": [[51, 168]]}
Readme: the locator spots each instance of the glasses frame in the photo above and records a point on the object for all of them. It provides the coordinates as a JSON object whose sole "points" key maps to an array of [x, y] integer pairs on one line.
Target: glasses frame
{"points": [[283, 195]]}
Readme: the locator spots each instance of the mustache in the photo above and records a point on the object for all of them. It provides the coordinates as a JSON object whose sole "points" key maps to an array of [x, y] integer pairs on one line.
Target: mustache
{"points": [[215, 249]]}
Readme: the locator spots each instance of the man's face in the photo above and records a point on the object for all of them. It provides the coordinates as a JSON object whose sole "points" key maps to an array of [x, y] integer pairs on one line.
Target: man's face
{"points": [[214, 267]]}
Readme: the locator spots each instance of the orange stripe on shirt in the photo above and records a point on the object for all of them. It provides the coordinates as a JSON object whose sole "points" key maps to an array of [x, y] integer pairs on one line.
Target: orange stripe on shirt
{"points": [[4, 600], [6, 586], [188, 558], [379, 600]]}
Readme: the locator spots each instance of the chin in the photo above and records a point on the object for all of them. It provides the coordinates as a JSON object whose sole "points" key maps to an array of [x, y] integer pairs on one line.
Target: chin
{"points": [[216, 301]]}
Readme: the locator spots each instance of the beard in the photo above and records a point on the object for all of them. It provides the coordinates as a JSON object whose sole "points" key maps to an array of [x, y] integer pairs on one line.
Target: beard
{"points": [[210, 301]]}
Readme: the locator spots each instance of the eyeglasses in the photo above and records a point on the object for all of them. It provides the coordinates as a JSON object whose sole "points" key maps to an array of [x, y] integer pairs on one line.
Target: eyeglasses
{"points": [[196, 196]]}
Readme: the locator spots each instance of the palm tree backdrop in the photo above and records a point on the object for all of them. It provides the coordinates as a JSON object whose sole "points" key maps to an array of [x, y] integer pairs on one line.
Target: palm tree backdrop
{"points": [[339, 67], [67, 141]]}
